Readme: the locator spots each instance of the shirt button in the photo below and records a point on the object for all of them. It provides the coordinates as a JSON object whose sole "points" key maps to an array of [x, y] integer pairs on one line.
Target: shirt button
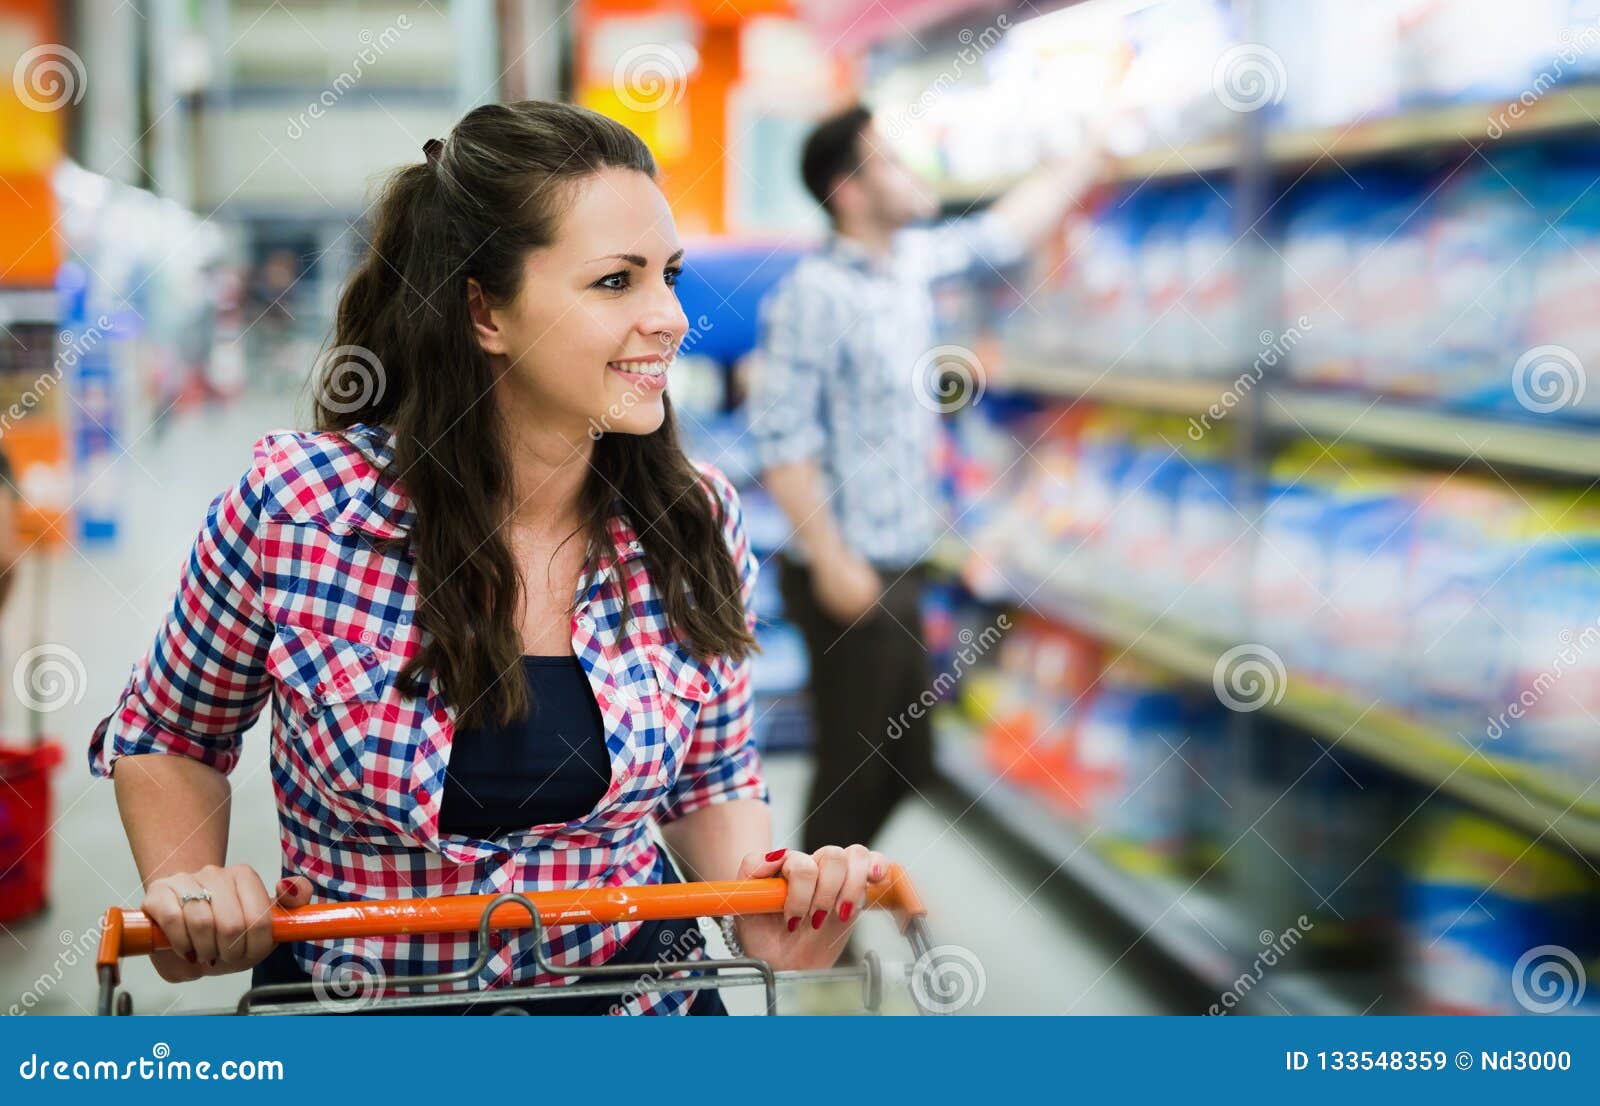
{"points": [[635, 547], [422, 794]]}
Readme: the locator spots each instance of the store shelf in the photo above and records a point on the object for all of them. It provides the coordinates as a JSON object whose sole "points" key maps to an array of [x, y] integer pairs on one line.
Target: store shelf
{"points": [[1206, 156], [1519, 794], [1120, 385], [1192, 926], [1549, 446], [1561, 109]]}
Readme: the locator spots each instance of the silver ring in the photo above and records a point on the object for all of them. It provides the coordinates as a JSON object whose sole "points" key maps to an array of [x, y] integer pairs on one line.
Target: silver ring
{"points": [[189, 896]]}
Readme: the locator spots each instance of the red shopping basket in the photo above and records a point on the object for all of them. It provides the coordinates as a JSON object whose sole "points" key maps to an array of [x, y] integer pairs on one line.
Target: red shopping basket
{"points": [[25, 827]]}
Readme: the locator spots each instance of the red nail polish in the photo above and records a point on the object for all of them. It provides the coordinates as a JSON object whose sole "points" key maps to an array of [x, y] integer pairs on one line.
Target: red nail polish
{"points": [[877, 871], [816, 919], [844, 910], [285, 886], [776, 854], [792, 923]]}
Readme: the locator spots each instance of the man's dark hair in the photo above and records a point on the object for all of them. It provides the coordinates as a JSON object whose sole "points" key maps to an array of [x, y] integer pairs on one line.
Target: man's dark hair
{"points": [[833, 150]]}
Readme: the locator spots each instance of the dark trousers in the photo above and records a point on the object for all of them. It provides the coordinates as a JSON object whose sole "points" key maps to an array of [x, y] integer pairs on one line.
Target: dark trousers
{"points": [[869, 689]]}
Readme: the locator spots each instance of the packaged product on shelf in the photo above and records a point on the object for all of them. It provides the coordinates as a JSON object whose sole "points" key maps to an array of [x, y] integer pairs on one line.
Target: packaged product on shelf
{"points": [[1215, 297], [1343, 58], [1212, 779], [1104, 455], [1212, 549], [1320, 260], [1138, 535], [1366, 637], [1047, 673], [1113, 293], [1549, 599], [1129, 758], [1170, 85], [1467, 50], [1576, 57], [1565, 288], [1062, 324], [1312, 826], [1289, 584], [1495, 922], [1482, 277], [1465, 538], [1168, 334], [1393, 297]]}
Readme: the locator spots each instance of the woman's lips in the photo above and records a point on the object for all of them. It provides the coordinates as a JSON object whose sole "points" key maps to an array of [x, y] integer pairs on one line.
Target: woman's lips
{"points": [[644, 373]]}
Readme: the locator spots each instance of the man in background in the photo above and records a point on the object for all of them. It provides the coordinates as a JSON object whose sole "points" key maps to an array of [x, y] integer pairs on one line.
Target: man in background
{"points": [[847, 448]]}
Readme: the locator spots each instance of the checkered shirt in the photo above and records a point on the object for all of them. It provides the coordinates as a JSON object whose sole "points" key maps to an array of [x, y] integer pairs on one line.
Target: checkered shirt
{"points": [[846, 363], [285, 597]]}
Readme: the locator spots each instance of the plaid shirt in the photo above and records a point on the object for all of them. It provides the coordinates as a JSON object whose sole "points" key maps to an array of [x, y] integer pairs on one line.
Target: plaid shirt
{"points": [[285, 597], [846, 343]]}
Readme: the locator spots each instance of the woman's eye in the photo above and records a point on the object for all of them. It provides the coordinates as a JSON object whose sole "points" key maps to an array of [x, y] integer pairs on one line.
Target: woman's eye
{"points": [[614, 281], [672, 277]]}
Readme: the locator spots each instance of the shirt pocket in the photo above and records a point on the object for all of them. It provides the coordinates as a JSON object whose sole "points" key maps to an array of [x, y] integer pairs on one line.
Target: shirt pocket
{"points": [[332, 688], [686, 685]]}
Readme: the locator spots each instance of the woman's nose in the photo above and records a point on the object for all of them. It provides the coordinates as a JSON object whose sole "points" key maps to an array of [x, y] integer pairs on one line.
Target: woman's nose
{"points": [[665, 319]]}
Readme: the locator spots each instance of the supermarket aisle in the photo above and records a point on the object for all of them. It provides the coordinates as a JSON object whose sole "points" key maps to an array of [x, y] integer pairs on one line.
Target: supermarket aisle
{"points": [[103, 607], [1035, 953]]}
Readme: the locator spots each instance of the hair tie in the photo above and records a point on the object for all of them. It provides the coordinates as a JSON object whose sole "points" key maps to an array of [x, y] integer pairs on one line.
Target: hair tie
{"points": [[431, 149]]}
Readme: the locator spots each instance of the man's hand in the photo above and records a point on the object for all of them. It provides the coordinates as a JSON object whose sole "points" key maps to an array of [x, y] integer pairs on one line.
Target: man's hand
{"points": [[846, 586]]}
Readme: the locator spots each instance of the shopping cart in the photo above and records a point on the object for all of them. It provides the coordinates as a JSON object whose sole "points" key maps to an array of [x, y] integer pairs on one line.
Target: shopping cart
{"points": [[132, 933]]}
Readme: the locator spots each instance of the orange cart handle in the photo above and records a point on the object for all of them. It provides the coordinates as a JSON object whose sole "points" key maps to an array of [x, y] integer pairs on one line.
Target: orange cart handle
{"points": [[132, 933]]}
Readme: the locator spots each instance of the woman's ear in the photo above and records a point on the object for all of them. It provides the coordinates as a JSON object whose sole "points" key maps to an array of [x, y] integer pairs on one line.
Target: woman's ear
{"points": [[485, 320]]}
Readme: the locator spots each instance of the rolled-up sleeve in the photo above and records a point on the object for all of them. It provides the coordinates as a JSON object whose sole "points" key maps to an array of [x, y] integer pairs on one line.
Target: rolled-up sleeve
{"points": [[203, 681], [961, 245], [722, 763], [786, 389]]}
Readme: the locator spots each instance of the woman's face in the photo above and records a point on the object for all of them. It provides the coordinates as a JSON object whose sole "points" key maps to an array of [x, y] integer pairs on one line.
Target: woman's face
{"points": [[592, 332]]}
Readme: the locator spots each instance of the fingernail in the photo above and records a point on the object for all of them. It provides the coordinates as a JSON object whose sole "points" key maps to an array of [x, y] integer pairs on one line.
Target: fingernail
{"points": [[776, 854], [191, 958], [793, 922], [285, 886], [877, 871], [844, 910], [816, 919]]}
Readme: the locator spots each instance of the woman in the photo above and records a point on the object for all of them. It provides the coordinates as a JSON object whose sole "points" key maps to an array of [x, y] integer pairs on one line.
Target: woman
{"points": [[503, 622]]}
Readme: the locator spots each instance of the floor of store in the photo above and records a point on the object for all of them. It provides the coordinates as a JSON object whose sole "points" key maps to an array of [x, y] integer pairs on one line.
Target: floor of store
{"points": [[988, 903]]}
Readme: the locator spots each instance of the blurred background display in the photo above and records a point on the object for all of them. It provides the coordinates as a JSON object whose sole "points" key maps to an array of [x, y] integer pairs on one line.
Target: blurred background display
{"points": [[1266, 607]]}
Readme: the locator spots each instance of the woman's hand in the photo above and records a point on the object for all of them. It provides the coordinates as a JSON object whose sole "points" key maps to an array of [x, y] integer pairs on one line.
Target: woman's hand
{"points": [[230, 933], [827, 892]]}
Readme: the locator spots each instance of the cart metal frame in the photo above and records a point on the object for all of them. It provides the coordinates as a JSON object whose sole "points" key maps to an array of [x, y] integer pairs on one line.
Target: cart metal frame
{"points": [[132, 933]]}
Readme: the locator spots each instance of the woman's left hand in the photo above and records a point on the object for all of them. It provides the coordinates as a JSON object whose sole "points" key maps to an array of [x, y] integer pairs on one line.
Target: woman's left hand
{"points": [[827, 892]]}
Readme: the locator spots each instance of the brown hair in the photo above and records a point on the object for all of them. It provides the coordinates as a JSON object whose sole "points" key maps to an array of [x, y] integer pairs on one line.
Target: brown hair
{"points": [[474, 208]]}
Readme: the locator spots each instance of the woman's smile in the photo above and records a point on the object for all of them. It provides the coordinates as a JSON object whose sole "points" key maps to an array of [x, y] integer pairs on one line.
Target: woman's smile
{"points": [[648, 372]]}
